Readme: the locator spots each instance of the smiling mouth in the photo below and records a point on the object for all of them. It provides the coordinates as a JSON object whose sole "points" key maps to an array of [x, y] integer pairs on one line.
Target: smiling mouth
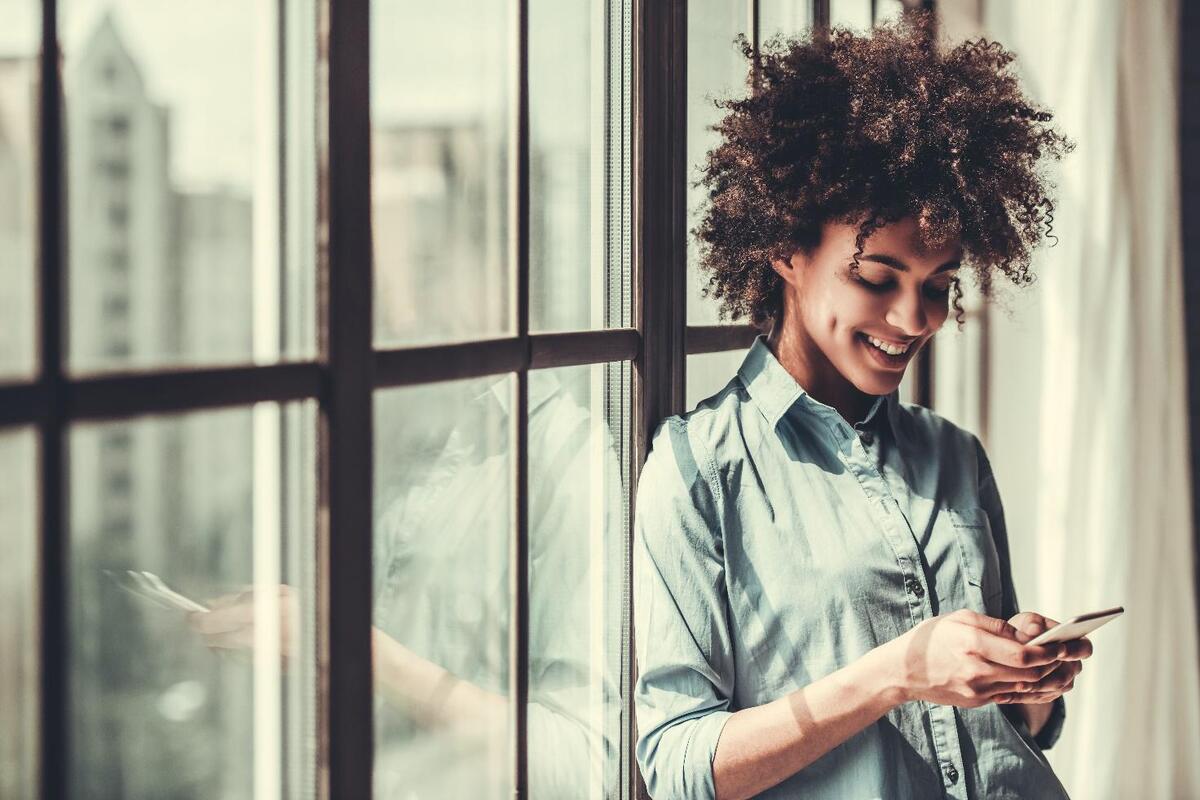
{"points": [[883, 358]]}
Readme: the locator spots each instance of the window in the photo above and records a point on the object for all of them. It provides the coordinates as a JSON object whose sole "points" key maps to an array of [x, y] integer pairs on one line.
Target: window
{"points": [[374, 322]]}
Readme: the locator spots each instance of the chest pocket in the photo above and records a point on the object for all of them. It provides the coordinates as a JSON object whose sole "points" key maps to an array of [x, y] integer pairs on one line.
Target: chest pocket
{"points": [[979, 559]]}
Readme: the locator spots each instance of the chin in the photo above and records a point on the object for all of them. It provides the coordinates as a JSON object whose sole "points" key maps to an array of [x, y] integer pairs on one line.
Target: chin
{"points": [[870, 381]]}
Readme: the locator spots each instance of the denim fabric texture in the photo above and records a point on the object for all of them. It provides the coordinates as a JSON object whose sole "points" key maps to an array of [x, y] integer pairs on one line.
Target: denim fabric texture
{"points": [[774, 543]]}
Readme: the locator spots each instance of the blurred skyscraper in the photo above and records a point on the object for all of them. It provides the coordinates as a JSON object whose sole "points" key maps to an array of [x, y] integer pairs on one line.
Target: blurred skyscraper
{"points": [[157, 277]]}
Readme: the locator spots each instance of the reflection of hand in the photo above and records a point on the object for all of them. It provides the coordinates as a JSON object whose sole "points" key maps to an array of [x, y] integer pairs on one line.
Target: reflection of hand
{"points": [[1027, 625], [967, 659], [228, 625]]}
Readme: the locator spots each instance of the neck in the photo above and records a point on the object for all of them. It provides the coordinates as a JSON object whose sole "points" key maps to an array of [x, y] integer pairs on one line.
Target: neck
{"points": [[805, 362]]}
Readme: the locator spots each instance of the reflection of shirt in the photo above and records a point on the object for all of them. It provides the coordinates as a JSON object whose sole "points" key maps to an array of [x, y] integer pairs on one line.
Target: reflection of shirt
{"points": [[774, 544], [442, 590]]}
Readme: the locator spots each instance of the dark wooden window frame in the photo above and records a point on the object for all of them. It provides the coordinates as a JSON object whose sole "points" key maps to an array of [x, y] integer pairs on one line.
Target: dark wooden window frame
{"points": [[348, 369]]}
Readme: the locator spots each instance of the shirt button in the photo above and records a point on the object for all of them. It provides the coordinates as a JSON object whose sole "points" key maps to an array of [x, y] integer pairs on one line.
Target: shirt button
{"points": [[915, 587], [951, 773]]}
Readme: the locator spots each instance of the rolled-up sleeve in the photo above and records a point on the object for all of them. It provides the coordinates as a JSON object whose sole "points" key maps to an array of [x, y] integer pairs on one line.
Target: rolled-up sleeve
{"points": [[684, 652], [989, 498]]}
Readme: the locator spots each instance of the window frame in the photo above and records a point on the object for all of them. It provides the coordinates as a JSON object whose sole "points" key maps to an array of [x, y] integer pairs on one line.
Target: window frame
{"points": [[348, 369]]}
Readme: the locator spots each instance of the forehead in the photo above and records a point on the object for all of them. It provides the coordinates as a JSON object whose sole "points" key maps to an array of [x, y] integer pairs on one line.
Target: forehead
{"points": [[903, 239]]}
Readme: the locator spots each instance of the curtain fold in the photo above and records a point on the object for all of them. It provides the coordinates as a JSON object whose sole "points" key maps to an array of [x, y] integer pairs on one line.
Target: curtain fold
{"points": [[1110, 520]]}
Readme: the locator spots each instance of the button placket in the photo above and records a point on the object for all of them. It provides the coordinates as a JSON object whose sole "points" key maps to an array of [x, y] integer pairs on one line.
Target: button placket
{"points": [[946, 746]]}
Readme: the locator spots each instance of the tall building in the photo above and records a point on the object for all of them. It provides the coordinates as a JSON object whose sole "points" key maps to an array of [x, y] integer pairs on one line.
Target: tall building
{"points": [[157, 277], [18, 214], [18, 233]]}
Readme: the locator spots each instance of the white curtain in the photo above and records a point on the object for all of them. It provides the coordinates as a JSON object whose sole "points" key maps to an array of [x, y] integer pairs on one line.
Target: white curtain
{"points": [[1088, 407]]}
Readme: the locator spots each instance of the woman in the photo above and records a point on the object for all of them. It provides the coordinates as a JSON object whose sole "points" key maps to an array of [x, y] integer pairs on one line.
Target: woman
{"points": [[823, 595]]}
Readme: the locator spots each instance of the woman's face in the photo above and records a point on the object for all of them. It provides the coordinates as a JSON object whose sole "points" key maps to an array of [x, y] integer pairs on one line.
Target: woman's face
{"points": [[900, 296]]}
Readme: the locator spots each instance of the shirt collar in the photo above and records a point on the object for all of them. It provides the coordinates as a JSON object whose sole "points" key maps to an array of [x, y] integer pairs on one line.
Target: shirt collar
{"points": [[775, 391]]}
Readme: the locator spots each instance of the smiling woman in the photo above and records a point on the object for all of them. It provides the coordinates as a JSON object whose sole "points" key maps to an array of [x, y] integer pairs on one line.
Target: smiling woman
{"points": [[823, 596]]}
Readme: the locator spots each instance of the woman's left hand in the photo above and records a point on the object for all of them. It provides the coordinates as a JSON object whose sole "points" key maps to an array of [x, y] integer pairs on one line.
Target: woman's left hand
{"points": [[1026, 626]]}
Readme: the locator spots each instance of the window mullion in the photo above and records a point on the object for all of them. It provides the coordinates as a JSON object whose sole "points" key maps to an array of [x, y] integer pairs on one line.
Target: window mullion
{"points": [[345, 508], [519, 257], [53, 756], [659, 247]]}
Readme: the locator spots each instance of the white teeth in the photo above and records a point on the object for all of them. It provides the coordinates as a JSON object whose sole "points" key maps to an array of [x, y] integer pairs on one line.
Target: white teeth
{"points": [[890, 349]]}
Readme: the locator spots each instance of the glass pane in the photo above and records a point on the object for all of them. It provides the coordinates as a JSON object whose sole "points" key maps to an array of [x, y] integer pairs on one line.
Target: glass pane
{"points": [[443, 528], [168, 699], [440, 105], [715, 70], [19, 679], [788, 17], [578, 456], [854, 14], [957, 374], [707, 373], [576, 170], [19, 48], [173, 179], [887, 10]]}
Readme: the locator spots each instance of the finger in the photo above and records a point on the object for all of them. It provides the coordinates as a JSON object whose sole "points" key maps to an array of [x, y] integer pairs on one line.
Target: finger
{"points": [[224, 620], [1038, 698], [1078, 649], [228, 600], [1002, 673], [1056, 680], [230, 640], [1001, 650], [991, 625], [1028, 625]]}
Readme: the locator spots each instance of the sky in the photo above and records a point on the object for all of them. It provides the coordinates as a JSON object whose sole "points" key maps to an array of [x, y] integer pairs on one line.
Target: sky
{"points": [[199, 59]]}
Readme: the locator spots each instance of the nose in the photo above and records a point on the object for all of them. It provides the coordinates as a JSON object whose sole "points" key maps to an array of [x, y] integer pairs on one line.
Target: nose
{"points": [[908, 314]]}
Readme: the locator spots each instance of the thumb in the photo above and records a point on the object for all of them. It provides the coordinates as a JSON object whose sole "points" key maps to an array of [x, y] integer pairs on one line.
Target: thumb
{"points": [[1029, 624], [993, 625]]}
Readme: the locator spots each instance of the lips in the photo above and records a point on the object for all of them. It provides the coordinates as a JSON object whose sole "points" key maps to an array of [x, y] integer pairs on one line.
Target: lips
{"points": [[885, 360]]}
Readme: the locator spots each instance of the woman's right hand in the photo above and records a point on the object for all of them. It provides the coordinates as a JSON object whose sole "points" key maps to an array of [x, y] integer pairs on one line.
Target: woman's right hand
{"points": [[967, 659]]}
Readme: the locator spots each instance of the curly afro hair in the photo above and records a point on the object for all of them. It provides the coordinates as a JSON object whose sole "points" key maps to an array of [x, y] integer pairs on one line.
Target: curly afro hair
{"points": [[867, 130]]}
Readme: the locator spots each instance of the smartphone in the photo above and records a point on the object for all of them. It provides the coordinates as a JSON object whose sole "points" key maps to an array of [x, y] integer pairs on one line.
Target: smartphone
{"points": [[150, 587], [1076, 627]]}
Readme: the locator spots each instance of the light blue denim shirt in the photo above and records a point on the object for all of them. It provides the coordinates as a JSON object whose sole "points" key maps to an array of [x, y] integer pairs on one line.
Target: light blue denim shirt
{"points": [[776, 543]]}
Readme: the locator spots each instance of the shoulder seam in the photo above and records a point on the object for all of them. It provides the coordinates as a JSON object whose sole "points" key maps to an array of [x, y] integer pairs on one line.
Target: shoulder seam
{"points": [[711, 473]]}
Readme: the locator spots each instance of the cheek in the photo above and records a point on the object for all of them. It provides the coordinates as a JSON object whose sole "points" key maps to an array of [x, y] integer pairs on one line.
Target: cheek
{"points": [[938, 311]]}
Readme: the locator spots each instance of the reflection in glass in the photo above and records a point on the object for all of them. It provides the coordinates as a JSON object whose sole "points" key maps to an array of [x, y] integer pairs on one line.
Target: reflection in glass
{"points": [[715, 70], [19, 48], [888, 10], [854, 14], [789, 17], [18, 623], [444, 485], [707, 373], [443, 528], [173, 184], [570, 176], [577, 504], [440, 78], [170, 703]]}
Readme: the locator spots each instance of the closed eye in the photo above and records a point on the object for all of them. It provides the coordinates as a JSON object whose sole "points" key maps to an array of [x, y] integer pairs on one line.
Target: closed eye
{"points": [[886, 286]]}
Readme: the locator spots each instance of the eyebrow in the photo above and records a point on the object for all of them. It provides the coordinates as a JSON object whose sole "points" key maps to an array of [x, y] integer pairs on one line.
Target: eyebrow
{"points": [[896, 263]]}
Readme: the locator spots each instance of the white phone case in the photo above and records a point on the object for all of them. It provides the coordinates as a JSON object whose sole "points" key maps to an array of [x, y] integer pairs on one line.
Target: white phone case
{"points": [[1078, 626]]}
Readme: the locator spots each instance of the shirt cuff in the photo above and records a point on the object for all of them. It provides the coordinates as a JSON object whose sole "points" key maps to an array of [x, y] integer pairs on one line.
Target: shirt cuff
{"points": [[1050, 732], [700, 752]]}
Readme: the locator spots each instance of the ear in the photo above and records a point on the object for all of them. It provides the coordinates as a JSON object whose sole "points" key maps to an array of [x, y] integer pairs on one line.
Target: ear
{"points": [[790, 270]]}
